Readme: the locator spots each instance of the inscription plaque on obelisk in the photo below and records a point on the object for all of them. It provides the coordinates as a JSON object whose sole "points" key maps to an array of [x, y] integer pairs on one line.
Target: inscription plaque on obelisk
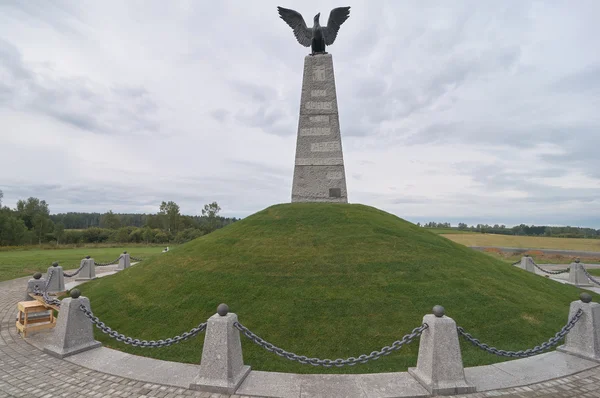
{"points": [[319, 174]]}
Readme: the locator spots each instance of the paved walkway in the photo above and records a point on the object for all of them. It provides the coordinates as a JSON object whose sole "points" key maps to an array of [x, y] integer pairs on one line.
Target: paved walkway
{"points": [[26, 371]]}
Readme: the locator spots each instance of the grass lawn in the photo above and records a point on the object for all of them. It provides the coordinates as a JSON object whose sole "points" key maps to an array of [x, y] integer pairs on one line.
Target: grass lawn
{"points": [[330, 281], [17, 263], [594, 271], [525, 242]]}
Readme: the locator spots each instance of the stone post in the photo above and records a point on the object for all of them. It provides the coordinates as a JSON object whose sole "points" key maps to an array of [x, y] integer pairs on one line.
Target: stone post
{"points": [[124, 261], [36, 283], [527, 264], [439, 364], [56, 278], [88, 272], [74, 331], [584, 339], [222, 368], [576, 275]]}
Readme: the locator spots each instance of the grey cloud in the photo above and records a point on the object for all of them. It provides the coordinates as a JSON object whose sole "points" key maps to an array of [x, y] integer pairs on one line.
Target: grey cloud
{"points": [[221, 115], [481, 76], [60, 15], [13, 61], [584, 82], [264, 117], [255, 92], [129, 110]]}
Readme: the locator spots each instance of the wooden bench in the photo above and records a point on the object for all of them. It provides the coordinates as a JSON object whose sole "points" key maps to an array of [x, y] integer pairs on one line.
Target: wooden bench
{"points": [[45, 319]]}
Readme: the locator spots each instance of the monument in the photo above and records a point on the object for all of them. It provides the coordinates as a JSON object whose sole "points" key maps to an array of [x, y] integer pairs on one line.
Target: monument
{"points": [[319, 174]]}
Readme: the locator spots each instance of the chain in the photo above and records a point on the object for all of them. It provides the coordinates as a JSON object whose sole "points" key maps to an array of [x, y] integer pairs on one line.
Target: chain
{"points": [[396, 345], [549, 272], [136, 258], [74, 273], [516, 262], [136, 342], [105, 264], [44, 293], [529, 352], [590, 277]]}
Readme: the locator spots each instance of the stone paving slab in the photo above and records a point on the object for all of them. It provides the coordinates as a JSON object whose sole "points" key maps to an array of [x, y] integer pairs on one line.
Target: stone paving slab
{"points": [[524, 371], [288, 385], [25, 371]]}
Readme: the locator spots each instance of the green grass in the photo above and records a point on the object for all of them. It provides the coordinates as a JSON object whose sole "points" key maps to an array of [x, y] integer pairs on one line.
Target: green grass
{"points": [[17, 263], [330, 281], [594, 271]]}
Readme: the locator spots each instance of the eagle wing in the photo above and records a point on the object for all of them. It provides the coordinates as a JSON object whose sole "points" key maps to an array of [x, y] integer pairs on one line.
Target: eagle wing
{"points": [[296, 22], [337, 17]]}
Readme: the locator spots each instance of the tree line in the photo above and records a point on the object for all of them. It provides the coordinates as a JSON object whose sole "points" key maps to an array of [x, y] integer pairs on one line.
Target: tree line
{"points": [[30, 222], [522, 230]]}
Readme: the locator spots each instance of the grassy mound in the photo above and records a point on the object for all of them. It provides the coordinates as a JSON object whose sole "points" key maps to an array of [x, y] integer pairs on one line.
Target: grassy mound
{"points": [[328, 281]]}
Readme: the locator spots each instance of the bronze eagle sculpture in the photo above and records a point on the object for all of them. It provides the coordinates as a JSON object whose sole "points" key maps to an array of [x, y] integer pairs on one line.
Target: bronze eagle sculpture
{"points": [[318, 36]]}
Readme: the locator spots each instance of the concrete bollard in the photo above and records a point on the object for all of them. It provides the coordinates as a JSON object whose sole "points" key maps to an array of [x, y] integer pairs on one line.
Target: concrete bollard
{"points": [[57, 282], [527, 264], [73, 332], [576, 275], [439, 364], [222, 368], [584, 339], [37, 283], [124, 261], [88, 272]]}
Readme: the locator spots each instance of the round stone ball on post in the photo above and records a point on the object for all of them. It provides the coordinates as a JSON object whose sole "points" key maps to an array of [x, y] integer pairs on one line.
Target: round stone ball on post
{"points": [[56, 277], [36, 284], [124, 261]]}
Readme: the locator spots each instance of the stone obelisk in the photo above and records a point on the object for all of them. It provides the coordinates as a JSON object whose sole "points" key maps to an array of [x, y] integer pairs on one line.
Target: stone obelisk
{"points": [[319, 174]]}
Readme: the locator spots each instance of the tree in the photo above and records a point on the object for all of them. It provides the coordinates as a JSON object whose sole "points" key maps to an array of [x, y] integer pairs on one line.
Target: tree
{"points": [[110, 220], [210, 211], [1, 196], [169, 213], [12, 230], [462, 226], [36, 216], [59, 231]]}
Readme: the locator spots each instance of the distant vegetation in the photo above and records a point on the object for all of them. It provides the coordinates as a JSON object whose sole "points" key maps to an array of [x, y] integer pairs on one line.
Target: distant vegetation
{"points": [[31, 223], [519, 230]]}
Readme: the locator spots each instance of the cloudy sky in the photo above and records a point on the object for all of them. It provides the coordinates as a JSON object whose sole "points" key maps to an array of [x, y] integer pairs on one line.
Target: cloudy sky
{"points": [[450, 111]]}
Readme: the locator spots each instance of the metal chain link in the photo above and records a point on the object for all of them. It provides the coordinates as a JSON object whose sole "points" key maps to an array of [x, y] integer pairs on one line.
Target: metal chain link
{"points": [[105, 264], [516, 262], [136, 342], [549, 272], [351, 361], [74, 273], [590, 277], [136, 258], [524, 353]]}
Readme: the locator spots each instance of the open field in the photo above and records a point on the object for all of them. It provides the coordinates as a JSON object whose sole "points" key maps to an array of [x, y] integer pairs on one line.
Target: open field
{"points": [[331, 281], [444, 231], [540, 257], [525, 242], [17, 263]]}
